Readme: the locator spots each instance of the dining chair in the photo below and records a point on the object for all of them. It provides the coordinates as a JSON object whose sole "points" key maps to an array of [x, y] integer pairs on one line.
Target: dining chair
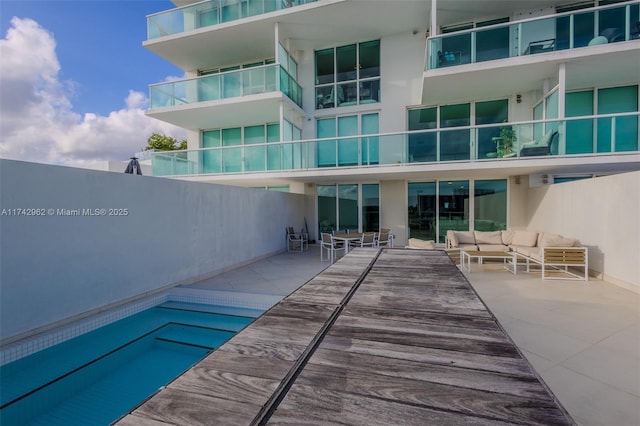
{"points": [[368, 239], [383, 239], [332, 247], [295, 241]]}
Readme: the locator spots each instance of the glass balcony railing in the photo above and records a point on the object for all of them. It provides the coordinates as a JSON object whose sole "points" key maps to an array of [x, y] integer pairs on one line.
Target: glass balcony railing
{"points": [[212, 12], [569, 30], [230, 84], [591, 135]]}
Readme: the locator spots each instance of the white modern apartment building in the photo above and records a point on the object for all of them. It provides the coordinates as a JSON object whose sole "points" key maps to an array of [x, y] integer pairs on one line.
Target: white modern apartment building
{"points": [[415, 115]]}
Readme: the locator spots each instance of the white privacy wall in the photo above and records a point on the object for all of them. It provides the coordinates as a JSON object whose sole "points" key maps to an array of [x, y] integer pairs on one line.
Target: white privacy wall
{"points": [[54, 267], [603, 213]]}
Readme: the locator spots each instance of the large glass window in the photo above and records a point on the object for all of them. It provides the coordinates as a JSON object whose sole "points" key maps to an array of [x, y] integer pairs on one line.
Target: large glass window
{"points": [[348, 207], [348, 75], [579, 134], [370, 207], [436, 207], [422, 207], [327, 208], [624, 136], [338, 207], [490, 205]]}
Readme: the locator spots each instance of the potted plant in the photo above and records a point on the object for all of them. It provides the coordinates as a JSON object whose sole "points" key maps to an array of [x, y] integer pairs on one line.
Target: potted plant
{"points": [[508, 137]]}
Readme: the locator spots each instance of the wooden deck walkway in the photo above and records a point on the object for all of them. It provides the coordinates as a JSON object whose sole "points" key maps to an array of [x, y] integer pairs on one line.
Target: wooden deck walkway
{"points": [[396, 337]]}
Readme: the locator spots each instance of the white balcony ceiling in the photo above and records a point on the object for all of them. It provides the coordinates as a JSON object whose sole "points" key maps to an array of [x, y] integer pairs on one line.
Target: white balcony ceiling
{"points": [[489, 169], [585, 68]]}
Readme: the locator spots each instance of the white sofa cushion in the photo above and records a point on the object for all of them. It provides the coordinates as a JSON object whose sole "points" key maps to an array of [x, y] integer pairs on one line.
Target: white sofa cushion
{"points": [[525, 238], [468, 247], [484, 237], [415, 243], [451, 237], [507, 237], [465, 237]]}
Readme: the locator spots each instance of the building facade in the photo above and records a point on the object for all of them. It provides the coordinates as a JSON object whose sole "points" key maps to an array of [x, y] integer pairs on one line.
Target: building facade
{"points": [[418, 115]]}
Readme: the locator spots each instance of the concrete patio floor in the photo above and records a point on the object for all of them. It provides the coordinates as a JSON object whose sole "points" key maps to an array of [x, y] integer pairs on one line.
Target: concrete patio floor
{"points": [[583, 338]]}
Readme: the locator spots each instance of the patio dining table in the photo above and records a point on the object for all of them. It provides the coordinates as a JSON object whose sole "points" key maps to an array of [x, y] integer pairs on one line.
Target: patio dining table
{"points": [[347, 238]]}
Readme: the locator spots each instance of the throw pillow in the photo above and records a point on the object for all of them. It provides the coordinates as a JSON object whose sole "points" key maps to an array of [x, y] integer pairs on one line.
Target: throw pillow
{"points": [[525, 238], [557, 241], [488, 237], [465, 237]]}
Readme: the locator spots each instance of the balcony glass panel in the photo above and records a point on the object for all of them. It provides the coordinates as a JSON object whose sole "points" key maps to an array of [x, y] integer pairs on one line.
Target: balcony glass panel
{"points": [[212, 12], [621, 134], [228, 84], [602, 133], [492, 44], [423, 145], [579, 138], [348, 148], [567, 30], [370, 148]]}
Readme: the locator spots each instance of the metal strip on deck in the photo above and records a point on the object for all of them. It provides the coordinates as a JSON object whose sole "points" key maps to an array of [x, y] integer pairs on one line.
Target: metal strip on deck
{"points": [[380, 337]]}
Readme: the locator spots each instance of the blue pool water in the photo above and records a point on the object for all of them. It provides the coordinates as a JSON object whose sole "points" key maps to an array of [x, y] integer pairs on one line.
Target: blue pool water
{"points": [[97, 377]]}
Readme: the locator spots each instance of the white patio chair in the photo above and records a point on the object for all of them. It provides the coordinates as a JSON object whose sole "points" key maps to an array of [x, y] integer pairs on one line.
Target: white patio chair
{"points": [[368, 239], [332, 247], [295, 241], [383, 240]]}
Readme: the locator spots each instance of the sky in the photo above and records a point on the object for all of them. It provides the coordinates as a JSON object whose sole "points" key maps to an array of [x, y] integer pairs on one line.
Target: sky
{"points": [[74, 80]]}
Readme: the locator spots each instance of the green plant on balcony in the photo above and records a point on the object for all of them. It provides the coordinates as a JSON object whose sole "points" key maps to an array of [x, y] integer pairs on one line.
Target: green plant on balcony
{"points": [[507, 139]]}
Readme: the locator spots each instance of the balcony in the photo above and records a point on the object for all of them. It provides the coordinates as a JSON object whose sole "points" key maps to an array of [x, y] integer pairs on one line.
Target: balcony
{"points": [[225, 85], [508, 142], [213, 12], [562, 31]]}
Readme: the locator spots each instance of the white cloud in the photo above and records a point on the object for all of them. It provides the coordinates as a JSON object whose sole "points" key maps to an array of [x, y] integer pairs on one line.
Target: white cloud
{"points": [[37, 122]]}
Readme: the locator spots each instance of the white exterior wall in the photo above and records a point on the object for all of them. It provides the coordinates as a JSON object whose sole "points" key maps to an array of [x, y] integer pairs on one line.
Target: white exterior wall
{"points": [[402, 61], [393, 209], [55, 267], [603, 214]]}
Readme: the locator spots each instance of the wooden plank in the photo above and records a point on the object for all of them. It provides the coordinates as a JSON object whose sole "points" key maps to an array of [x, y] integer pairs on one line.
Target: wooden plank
{"points": [[498, 364], [443, 341], [308, 405], [469, 402], [244, 388], [432, 373]]}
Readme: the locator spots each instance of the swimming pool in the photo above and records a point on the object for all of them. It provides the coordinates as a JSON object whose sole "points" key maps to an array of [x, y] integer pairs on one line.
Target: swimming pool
{"points": [[97, 377]]}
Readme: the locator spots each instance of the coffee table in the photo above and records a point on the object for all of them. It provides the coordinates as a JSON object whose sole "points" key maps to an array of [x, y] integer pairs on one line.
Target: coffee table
{"points": [[510, 260]]}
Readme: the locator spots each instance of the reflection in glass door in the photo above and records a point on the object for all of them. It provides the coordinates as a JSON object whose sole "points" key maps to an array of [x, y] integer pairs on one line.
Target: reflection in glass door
{"points": [[327, 217], [348, 207], [422, 210], [453, 207]]}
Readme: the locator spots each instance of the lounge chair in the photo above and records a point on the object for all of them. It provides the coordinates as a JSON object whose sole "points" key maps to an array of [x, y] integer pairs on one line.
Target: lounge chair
{"points": [[541, 147]]}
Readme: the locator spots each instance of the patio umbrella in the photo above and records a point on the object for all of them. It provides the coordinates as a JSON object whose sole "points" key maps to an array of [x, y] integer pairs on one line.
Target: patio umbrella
{"points": [[133, 167]]}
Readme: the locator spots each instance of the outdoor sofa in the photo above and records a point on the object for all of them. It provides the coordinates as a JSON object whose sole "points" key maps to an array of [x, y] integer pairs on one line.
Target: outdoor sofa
{"points": [[552, 252]]}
